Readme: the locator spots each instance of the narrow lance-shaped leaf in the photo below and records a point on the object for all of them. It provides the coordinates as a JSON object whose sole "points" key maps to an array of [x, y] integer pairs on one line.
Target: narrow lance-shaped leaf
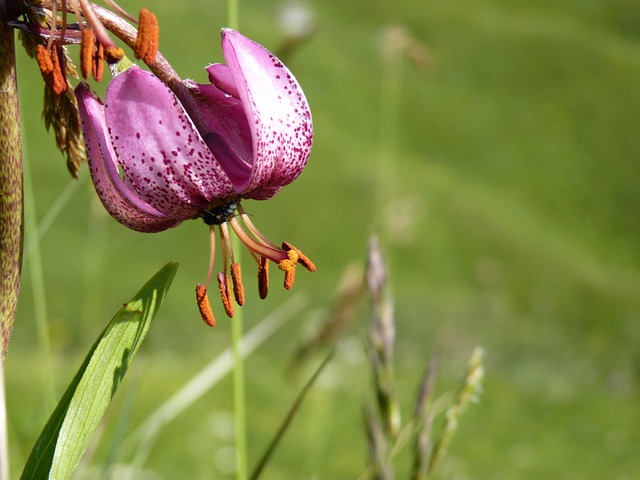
{"points": [[68, 432]]}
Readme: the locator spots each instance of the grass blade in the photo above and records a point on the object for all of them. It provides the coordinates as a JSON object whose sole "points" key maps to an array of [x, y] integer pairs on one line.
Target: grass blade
{"points": [[68, 432]]}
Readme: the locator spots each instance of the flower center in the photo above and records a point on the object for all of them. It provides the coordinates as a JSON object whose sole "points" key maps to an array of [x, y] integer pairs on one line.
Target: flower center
{"points": [[286, 256]]}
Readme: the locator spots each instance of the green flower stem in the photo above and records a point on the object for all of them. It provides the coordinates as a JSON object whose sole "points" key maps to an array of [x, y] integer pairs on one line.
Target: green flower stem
{"points": [[11, 193], [239, 403]]}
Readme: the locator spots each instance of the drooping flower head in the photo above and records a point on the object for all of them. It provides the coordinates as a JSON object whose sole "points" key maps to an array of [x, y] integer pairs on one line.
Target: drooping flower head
{"points": [[156, 161]]}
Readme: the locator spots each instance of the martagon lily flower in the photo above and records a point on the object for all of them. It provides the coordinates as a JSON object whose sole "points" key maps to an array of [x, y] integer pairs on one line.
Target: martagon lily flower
{"points": [[246, 135]]}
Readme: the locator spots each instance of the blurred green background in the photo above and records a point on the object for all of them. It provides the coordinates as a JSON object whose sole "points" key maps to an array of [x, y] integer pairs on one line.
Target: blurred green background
{"points": [[509, 214]]}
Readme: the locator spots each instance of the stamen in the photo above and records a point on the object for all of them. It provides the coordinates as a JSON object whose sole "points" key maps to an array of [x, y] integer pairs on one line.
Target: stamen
{"points": [[113, 53], [43, 57], [147, 41], [288, 266], [253, 229], [273, 254], [263, 278], [119, 10], [225, 293], [289, 278], [204, 306], [50, 66], [87, 47], [54, 15], [212, 253], [302, 258], [98, 65], [238, 288]]}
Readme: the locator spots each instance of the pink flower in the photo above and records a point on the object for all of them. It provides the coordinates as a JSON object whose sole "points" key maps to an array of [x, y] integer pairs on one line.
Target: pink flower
{"points": [[253, 136]]}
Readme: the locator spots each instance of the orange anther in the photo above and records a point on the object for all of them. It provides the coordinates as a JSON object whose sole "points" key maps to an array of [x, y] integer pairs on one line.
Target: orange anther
{"points": [[148, 38], [238, 288], [98, 65], [289, 278], [225, 293], [204, 306], [50, 64], [263, 278], [113, 54], [87, 46], [302, 258]]}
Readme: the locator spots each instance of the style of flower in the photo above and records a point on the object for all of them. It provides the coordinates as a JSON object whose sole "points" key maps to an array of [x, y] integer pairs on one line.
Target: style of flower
{"points": [[155, 164]]}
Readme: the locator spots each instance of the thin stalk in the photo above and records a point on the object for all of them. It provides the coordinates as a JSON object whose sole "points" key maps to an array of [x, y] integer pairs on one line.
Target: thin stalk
{"points": [[233, 14], [39, 295], [239, 402]]}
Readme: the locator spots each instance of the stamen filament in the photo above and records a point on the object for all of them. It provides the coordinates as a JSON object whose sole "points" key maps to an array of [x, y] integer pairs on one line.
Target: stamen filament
{"points": [[212, 253], [273, 254], [113, 53], [226, 246], [254, 230], [54, 14]]}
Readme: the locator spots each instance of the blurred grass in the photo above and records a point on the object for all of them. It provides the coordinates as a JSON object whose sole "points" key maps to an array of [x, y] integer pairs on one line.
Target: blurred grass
{"points": [[518, 172]]}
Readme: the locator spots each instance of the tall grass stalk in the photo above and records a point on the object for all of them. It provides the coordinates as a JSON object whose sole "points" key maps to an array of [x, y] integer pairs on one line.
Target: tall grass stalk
{"points": [[239, 401], [145, 435]]}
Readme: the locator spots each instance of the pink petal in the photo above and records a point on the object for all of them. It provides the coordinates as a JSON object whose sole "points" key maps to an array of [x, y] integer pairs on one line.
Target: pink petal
{"points": [[118, 199], [277, 111], [220, 76], [228, 135], [162, 154]]}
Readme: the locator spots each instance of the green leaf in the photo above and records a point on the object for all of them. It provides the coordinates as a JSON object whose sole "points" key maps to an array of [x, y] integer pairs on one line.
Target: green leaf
{"points": [[68, 432]]}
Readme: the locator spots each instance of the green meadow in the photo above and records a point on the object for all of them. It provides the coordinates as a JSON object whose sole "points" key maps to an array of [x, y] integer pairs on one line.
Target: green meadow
{"points": [[501, 171]]}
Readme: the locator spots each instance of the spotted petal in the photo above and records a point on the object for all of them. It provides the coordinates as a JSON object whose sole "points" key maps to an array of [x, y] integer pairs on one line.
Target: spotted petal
{"points": [[277, 113], [162, 154], [117, 197]]}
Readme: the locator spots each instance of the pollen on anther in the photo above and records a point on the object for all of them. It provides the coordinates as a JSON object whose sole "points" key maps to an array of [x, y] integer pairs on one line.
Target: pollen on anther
{"points": [[225, 293], [147, 40], [86, 52], [263, 278], [302, 258], [98, 66], [204, 306], [238, 288], [50, 64], [113, 54], [289, 278]]}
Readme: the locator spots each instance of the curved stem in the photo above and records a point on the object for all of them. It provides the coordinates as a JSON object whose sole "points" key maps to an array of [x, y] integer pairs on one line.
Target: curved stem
{"points": [[11, 209], [11, 189]]}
